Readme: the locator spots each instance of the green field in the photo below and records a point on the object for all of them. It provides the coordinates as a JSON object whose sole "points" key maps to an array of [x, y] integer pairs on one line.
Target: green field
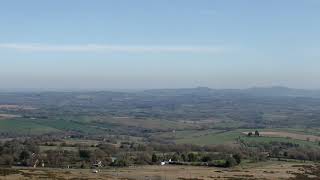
{"points": [[23, 127], [199, 137], [207, 137], [210, 137]]}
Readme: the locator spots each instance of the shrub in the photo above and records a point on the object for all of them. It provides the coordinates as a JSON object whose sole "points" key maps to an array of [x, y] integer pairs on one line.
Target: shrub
{"points": [[237, 157], [230, 162]]}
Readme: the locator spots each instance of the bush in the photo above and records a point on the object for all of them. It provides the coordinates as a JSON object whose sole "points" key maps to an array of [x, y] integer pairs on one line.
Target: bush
{"points": [[6, 160], [217, 163], [84, 154], [237, 157], [192, 157], [206, 158], [230, 162], [143, 159], [154, 158], [121, 163]]}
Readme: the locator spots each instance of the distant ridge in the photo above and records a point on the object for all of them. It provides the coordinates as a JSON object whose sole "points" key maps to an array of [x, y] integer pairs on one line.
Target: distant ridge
{"points": [[255, 91]]}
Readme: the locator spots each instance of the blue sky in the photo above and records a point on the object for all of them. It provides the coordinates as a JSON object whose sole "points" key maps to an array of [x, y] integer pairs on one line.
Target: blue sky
{"points": [[125, 44]]}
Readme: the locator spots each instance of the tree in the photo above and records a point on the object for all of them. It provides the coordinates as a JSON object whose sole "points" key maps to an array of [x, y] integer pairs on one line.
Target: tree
{"points": [[206, 158], [154, 158], [6, 159], [192, 157], [143, 158], [256, 133], [183, 157], [230, 162], [24, 156], [83, 153], [99, 155], [275, 151], [249, 134], [121, 162], [56, 158], [107, 148], [237, 157], [175, 157]]}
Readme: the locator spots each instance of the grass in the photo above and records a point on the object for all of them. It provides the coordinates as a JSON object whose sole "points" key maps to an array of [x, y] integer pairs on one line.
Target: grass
{"points": [[158, 124], [278, 139], [24, 127], [263, 170], [80, 141], [308, 131], [208, 137], [21, 126], [70, 125], [46, 148], [212, 137], [186, 134]]}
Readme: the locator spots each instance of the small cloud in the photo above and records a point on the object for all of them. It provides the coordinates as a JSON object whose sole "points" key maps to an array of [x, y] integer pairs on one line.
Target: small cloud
{"points": [[31, 47]]}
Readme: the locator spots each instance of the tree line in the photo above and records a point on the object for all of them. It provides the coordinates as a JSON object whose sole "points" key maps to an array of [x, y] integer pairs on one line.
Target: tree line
{"points": [[28, 153]]}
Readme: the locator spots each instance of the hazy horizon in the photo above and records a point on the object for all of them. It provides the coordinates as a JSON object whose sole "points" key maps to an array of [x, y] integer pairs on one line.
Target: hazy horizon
{"points": [[159, 44], [35, 90]]}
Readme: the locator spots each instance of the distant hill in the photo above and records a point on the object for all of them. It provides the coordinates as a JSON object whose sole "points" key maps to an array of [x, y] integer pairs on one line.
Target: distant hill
{"points": [[255, 91], [282, 91]]}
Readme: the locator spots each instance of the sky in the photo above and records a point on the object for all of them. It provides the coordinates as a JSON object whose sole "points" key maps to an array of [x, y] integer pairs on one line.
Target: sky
{"points": [[147, 44]]}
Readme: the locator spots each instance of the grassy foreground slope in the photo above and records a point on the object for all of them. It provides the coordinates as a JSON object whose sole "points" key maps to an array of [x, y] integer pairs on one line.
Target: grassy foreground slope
{"points": [[267, 170]]}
